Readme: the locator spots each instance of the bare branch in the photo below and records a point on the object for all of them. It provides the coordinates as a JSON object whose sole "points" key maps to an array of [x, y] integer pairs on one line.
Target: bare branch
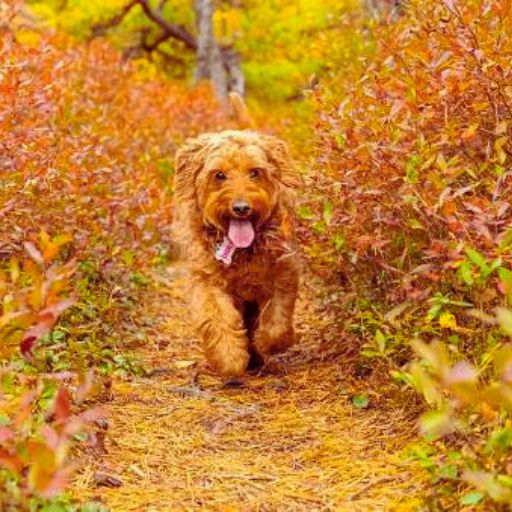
{"points": [[101, 28], [170, 30], [172, 60], [175, 31], [162, 38], [161, 5]]}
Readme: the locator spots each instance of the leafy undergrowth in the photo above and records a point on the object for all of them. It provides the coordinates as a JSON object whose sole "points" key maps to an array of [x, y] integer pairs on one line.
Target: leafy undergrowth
{"points": [[39, 427], [312, 431], [86, 160], [409, 218], [406, 216]]}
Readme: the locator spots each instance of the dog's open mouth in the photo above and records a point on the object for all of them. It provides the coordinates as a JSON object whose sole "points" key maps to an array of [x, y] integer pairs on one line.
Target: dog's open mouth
{"points": [[241, 233]]}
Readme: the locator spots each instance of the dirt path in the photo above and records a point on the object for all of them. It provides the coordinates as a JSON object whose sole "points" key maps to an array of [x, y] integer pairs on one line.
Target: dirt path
{"points": [[289, 439]]}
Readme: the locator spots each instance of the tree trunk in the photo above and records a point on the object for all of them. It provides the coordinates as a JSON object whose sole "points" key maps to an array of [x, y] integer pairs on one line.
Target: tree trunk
{"points": [[377, 8], [220, 65], [210, 65], [233, 65]]}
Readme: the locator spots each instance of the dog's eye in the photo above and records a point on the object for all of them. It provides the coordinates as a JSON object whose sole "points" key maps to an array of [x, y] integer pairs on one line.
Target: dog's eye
{"points": [[220, 176], [254, 173]]}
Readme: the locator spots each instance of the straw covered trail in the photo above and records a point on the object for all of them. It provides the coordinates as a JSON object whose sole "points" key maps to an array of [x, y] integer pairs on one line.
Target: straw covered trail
{"points": [[287, 439]]}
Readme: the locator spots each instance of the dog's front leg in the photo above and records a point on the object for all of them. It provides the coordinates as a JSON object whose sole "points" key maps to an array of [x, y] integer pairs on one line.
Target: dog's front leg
{"points": [[275, 332], [221, 328]]}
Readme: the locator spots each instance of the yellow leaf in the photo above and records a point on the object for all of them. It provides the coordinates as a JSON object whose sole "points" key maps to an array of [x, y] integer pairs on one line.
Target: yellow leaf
{"points": [[501, 128], [441, 162], [470, 132], [29, 38], [448, 321], [184, 364], [227, 25], [498, 146]]}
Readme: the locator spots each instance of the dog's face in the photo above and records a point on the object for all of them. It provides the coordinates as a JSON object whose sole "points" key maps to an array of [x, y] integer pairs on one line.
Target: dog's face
{"points": [[236, 178], [236, 191]]}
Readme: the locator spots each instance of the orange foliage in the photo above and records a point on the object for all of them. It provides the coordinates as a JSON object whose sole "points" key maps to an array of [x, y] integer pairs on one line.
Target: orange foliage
{"points": [[415, 156], [87, 143], [87, 146]]}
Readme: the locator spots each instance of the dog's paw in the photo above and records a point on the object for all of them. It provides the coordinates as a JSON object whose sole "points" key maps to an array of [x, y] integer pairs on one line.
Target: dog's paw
{"points": [[268, 342], [231, 364]]}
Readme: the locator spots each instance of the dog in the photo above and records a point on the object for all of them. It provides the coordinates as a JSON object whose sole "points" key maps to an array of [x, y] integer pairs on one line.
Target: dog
{"points": [[234, 226]]}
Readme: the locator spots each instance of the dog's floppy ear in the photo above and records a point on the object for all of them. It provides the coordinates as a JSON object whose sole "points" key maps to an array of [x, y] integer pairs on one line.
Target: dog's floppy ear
{"points": [[279, 156], [189, 160]]}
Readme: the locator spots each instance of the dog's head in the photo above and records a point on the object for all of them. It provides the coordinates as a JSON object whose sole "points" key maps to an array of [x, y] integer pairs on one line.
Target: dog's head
{"points": [[235, 181]]}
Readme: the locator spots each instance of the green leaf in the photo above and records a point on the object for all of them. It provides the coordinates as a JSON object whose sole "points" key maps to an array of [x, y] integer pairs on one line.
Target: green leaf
{"points": [[166, 168], [434, 311], [128, 257], [465, 272], [499, 170], [53, 507], [401, 377], [504, 317], [435, 424], [505, 276], [381, 341], [415, 224], [448, 471], [505, 480], [500, 440], [328, 212], [338, 240], [411, 171], [4, 419], [496, 264], [472, 498], [476, 258], [340, 141], [506, 240], [139, 279], [319, 227], [305, 213], [360, 401]]}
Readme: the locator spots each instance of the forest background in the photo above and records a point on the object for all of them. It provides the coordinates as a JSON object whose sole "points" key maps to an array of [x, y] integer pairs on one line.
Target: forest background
{"points": [[399, 116]]}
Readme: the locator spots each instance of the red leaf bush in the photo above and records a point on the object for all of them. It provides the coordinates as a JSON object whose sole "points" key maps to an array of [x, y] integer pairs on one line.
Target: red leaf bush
{"points": [[36, 437], [415, 159], [409, 210], [38, 416], [87, 145], [86, 160]]}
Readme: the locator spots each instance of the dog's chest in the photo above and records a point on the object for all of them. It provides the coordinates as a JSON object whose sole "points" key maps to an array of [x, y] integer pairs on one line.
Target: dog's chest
{"points": [[251, 280]]}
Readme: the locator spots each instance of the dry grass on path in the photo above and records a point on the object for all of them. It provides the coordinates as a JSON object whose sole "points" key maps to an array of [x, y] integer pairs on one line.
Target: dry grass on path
{"points": [[289, 439]]}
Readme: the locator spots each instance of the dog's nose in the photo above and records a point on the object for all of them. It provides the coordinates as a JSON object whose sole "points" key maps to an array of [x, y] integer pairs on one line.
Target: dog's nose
{"points": [[241, 208]]}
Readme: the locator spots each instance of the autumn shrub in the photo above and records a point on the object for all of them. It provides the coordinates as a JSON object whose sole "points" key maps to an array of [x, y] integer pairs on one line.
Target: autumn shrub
{"points": [[413, 175], [41, 417], [86, 159], [468, 426], [280, 41], [38, 429], [409, 206]]}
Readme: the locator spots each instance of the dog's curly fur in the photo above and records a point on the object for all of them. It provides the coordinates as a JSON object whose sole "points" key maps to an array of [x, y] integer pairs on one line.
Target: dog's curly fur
{"points": [[242, 311]]}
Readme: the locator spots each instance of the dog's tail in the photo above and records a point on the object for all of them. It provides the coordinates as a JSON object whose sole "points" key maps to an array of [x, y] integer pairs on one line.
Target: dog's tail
{"points": [[240, 112]]}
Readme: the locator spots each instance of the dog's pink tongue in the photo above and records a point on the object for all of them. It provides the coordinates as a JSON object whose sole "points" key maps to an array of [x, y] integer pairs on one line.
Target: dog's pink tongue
{"points": [[241, 233]]}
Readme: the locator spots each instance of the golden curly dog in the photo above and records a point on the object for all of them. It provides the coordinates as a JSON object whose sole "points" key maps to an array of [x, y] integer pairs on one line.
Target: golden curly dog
{"points": [[233, 223]]}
